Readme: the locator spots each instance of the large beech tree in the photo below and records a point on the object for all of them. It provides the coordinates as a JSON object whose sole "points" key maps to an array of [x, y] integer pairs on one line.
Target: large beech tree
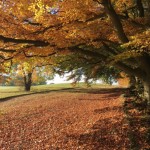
{"points": [[115, 32]]}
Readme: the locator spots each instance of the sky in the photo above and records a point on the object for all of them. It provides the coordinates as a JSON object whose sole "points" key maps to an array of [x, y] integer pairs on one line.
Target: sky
{"points": [[58, 79]]}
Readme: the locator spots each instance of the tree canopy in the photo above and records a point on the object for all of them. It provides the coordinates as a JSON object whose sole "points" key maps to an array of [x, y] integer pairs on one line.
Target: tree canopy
{"points": [[104, 33]]}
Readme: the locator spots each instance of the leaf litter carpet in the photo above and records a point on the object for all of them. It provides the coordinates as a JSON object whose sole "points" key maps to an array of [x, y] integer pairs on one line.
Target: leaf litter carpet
{"points": [[77, 120]]}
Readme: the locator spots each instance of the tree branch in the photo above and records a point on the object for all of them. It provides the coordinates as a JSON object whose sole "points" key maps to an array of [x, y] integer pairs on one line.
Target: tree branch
{"points": [[140, 8], [23, 41], [7, 50], [115, 20], [136, 72], [87, 52]]}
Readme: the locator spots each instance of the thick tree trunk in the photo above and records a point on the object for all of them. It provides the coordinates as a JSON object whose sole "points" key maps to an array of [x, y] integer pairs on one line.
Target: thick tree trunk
{"points": [[144, 62], [132, 82], [27, 87], [146, 84]]}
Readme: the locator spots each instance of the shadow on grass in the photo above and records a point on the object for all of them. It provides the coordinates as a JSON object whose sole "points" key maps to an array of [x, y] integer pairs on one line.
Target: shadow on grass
{"points": [[100, 90], [33, 93], [107, 94]]}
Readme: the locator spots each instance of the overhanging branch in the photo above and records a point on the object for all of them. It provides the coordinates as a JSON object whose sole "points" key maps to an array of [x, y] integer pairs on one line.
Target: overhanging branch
{"points": [[136, 72], [23, 41]]}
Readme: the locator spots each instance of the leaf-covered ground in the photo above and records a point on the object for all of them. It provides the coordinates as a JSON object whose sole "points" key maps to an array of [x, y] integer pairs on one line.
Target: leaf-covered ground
{"points": [[67, 120]]}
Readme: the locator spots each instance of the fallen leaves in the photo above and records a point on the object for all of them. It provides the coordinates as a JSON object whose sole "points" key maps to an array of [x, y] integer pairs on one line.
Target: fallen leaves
{"points": [[70, 121]]}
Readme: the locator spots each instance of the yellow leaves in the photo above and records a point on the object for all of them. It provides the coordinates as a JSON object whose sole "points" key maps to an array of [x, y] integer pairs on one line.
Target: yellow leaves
{"points": [[41, 9], [7, 65], [139, 41], [132, 53], [27, 67], [123, 4], [18, 9], [126, 55], [38, 8]]}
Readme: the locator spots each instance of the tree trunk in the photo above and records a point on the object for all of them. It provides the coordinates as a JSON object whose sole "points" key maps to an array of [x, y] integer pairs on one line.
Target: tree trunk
{"points": [[28, 81], [140, 8], [27, 87], [132, 82], [146, 84], [115, 20]]}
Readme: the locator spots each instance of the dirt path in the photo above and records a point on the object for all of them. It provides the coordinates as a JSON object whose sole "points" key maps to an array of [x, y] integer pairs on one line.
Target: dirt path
{"points": [[64, 121]]}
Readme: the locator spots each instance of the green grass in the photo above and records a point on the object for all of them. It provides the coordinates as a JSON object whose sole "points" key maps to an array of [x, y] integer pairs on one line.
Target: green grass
{"points": [[10, 91]]}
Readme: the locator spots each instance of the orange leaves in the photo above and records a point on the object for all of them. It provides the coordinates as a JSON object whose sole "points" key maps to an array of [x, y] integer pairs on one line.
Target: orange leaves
{"points": [[124, 81], [38, 8], [59, 120], [62, 29]]}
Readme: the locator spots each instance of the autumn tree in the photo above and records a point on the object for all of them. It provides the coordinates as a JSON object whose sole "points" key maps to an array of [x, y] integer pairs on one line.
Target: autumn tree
{"points": [[33, 70], [28, 75], [115, 32]]}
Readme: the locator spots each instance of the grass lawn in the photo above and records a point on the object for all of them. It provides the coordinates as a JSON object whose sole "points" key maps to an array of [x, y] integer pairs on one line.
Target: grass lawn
{"points": [[10, 91]]}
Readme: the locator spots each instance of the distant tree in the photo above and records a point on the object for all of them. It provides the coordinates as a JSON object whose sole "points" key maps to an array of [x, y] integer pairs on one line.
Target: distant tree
{"points": [[30, 71], [34, 74]]}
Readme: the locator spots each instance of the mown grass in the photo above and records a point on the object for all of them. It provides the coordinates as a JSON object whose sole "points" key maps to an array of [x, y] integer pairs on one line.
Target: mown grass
{"points": [[10, 91]]}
